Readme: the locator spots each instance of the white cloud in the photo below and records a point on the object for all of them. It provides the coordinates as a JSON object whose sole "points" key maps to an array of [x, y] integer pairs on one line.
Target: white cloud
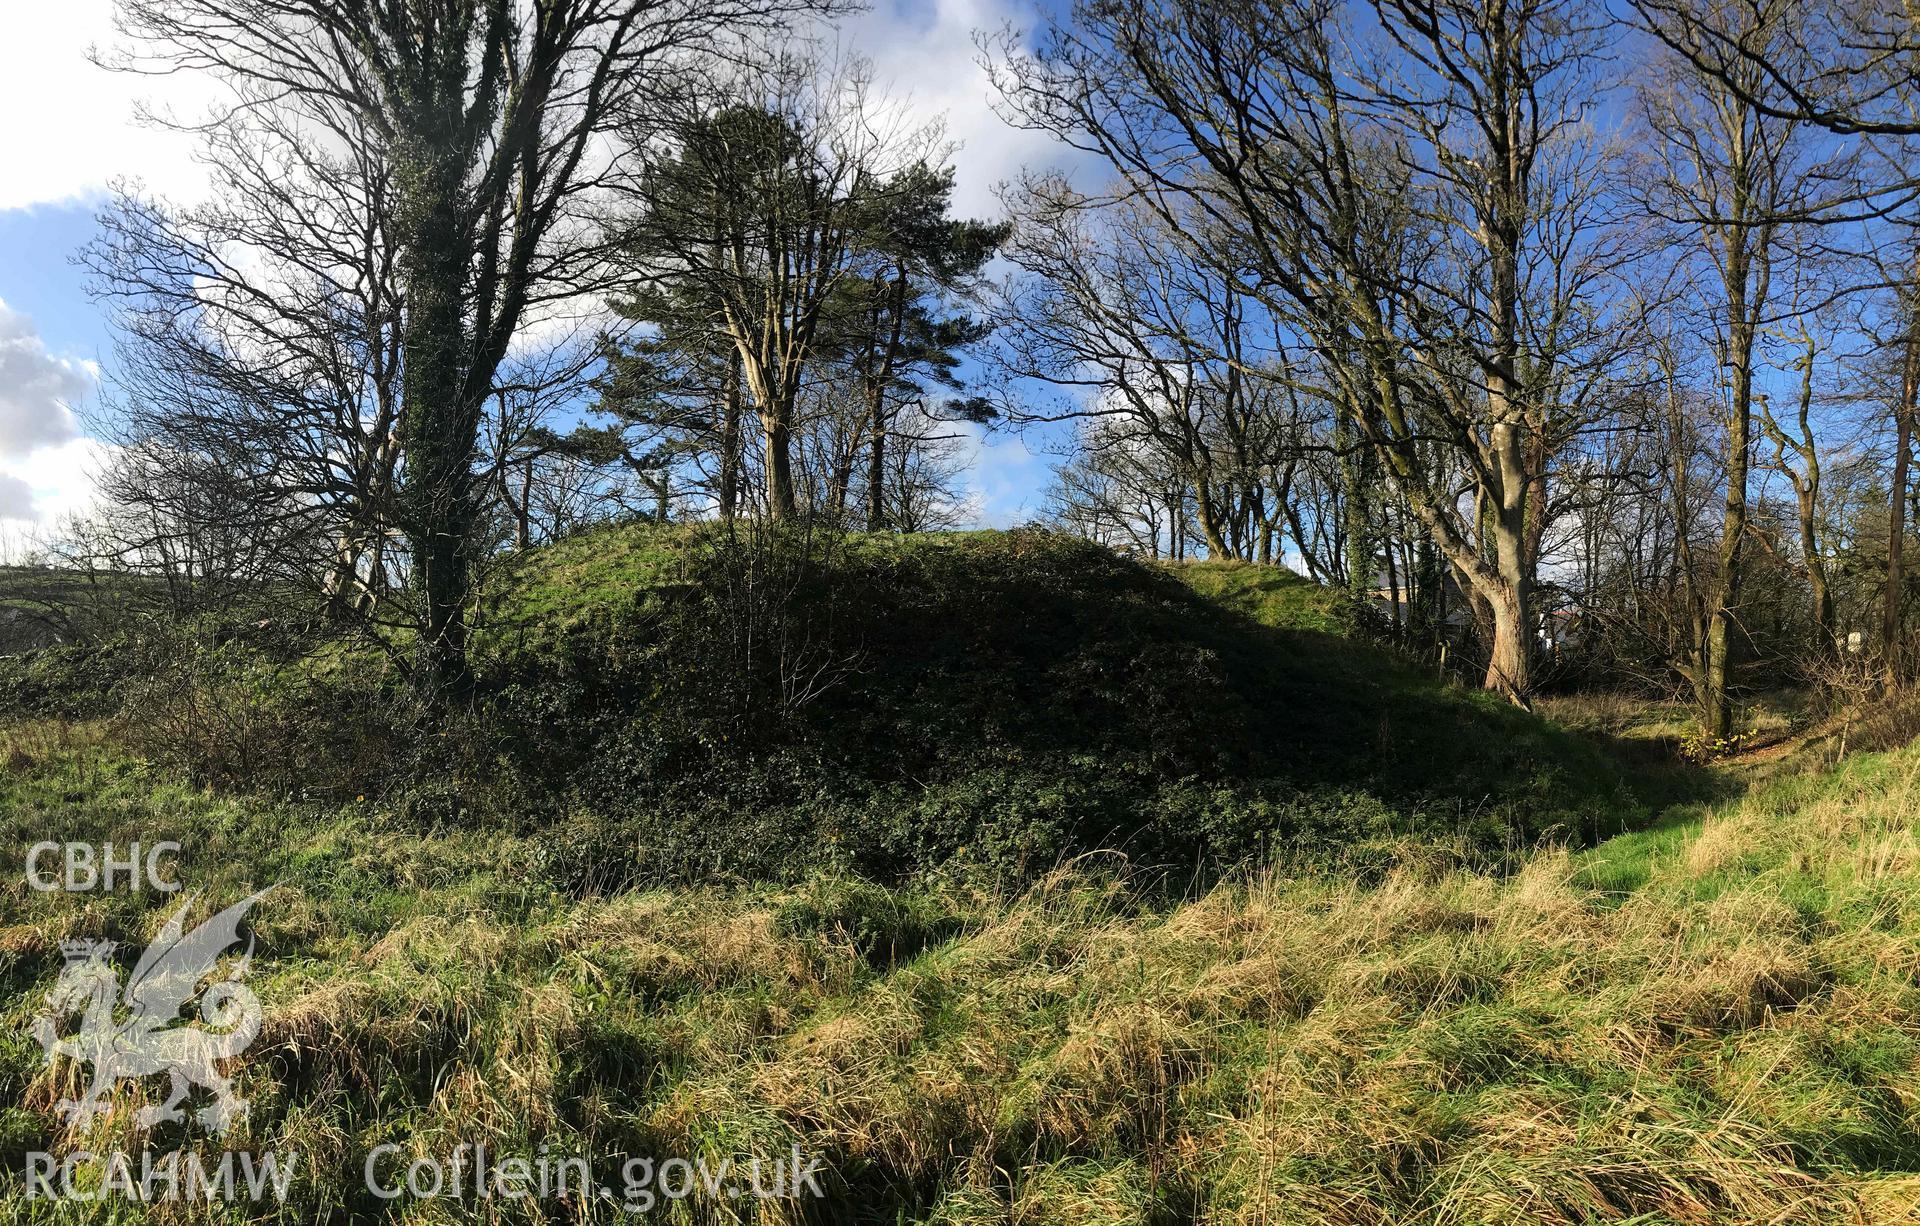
{"points": [[71, 127], [37, 390], [57, 481], [46, 466], [16, 498], [74, 126], [924, 55]]}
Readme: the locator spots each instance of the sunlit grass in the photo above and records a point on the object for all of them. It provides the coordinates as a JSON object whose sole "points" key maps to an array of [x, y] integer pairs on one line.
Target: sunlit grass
{"points": [[1713, 1020]]}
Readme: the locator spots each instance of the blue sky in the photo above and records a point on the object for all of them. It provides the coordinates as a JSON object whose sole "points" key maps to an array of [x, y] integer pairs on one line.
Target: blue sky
{"points": [[37, 276], [81, 135], [72, 132], [50, 341]]}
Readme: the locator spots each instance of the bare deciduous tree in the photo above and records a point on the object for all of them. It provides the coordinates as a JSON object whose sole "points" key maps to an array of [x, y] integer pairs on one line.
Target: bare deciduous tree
{"points": [[490, 117]]}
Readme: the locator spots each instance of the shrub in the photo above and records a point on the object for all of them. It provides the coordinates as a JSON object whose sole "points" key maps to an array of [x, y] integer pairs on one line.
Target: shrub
{"points": [[67, 681]]}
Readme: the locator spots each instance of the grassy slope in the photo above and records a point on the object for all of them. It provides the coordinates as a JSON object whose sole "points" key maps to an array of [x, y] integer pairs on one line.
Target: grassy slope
{"points": [[1270, 595], [1026, 694], [1717, 1021]]}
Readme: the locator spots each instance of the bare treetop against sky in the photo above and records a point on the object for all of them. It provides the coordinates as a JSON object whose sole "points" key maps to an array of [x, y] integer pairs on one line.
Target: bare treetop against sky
{"points": [[86, 134], [1317, 249]]}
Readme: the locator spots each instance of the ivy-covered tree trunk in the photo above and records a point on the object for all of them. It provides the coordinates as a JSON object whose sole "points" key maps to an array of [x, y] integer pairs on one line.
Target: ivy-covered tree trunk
{"points": [[438, 423]]}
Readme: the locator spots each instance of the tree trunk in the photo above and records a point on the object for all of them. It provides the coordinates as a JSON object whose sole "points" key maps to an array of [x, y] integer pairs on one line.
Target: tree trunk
{"points": [[773, 402], [1891, 636], [878, 379], [1717, 714], [729, 492], [438, 421], [1510, 597], [522, 510], [1430, 591], [1510, 587], [1355, 480], [1511, 662], [1209, 517], [1503, 223], [877, 470], [1808, 491], [779, 443], [842, 480], [662, 497], [342, 586], [1393, 593], [1510, 665]]}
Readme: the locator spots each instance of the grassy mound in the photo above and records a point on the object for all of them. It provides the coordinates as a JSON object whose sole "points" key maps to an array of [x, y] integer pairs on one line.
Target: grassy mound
{"points": [[1271, 595], [693, 705], [1716, 1021], [664, 705]]}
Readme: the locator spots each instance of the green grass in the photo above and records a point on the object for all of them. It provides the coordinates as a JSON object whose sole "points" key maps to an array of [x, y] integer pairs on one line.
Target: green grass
{"points": [[1271, 595], [1626, 862], [551, 591], [1714, 1021]]}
